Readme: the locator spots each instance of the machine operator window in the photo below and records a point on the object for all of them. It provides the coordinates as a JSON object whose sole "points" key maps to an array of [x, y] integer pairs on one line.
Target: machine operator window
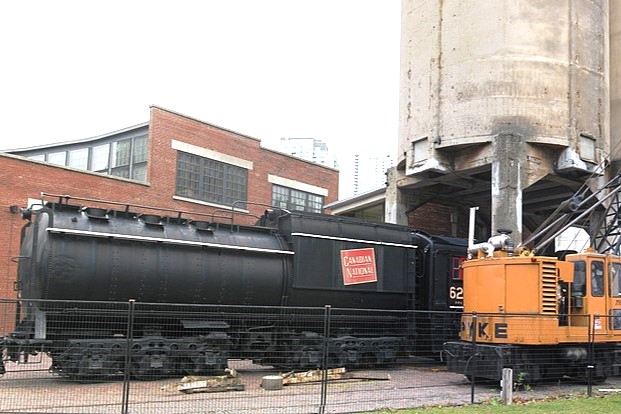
{"points": [[597, 278], [615, 283], [578, 288], [616, 319]]}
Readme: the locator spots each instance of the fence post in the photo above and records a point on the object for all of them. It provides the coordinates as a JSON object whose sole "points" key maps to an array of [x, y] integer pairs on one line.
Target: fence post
{"points": [[324, 359], [507, 386], [131, 309], [473, 357], [591, 362]]}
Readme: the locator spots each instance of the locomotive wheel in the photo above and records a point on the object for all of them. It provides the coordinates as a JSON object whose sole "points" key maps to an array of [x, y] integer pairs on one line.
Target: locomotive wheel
{"points": [[151, 361], [151, 367]]}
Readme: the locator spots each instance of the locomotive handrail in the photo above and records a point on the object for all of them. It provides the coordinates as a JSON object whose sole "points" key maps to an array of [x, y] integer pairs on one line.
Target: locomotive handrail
{"points": [[164, 240], [226, 210], [140, 206]]}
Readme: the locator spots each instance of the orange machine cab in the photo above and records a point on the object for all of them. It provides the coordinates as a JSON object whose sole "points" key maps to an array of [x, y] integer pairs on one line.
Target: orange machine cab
{"points": [[507, 292]]}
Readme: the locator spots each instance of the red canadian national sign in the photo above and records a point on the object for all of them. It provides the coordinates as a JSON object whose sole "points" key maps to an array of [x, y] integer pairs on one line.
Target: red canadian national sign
{"points": [[358, 266]]}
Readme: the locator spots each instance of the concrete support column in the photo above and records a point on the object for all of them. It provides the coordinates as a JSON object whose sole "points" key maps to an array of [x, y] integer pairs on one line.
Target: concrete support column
{"points": [[396, 200], [615, 85], [507, 184]]}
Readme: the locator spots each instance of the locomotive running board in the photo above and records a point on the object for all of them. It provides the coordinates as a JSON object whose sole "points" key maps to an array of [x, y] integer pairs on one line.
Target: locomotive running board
{"points": [[176, 242]]}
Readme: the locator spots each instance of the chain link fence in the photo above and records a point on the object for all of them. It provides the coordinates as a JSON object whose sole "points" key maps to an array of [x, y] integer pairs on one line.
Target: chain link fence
{"points": [[96, 357]]}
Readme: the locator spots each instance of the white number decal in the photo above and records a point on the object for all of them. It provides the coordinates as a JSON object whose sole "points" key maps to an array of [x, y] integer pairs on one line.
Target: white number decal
{"points": [[456, 293]]}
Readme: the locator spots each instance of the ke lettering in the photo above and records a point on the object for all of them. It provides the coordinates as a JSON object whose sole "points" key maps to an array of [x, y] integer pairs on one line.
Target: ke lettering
{"points": [[500, 329]]}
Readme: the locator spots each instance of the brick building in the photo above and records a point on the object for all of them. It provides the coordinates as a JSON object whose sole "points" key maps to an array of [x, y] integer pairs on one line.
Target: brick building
{"points": [[172, 161]]}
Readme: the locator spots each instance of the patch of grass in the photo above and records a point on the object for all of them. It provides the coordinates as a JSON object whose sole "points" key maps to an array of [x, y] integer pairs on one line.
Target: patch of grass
{"points": [[607, 404]]}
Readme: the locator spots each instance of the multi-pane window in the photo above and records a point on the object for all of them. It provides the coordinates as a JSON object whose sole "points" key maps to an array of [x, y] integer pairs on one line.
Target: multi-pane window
{"points": [[125, 157], [292, 199], [210, 180]]}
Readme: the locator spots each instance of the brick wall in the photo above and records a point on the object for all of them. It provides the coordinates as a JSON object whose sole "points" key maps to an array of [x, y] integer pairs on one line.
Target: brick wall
{"points": [[21, 179], [440, 219]]}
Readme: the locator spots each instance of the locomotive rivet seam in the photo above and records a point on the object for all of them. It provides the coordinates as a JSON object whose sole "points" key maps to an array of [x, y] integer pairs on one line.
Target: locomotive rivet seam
{"points": [[320, 236], [165, 241]]}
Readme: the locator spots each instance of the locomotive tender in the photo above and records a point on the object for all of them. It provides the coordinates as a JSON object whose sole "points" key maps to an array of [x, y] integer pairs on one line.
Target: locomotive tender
{"points": [[74, 253]]}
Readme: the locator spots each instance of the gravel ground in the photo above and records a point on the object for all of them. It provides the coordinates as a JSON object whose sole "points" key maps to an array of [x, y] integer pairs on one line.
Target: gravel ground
{"points": [[31, 388]]}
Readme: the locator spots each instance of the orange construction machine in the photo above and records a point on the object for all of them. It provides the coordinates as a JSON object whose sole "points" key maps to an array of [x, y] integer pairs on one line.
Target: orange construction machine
{"points": [[545, 317]]}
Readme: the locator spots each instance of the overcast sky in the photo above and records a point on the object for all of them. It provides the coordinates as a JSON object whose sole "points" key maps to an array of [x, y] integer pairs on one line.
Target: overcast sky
{"points": [[326, 69]]}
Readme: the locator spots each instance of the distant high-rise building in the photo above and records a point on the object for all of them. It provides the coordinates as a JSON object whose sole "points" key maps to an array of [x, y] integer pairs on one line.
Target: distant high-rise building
{"points": [[370, 172], [309, 149]]}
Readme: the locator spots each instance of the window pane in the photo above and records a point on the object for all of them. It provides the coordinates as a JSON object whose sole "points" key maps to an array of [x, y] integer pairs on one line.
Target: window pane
{"points": [[120, 172], [188, 170], [315, 203], [120, 153], [59, 158], [140, 149], [616, 319], [579, 285], [280, 195], [78, 158], [100, 155], [420, 150], [298, 200], [139, 171], [457, 271], [615, 275], [597, 278], [587, 148]]}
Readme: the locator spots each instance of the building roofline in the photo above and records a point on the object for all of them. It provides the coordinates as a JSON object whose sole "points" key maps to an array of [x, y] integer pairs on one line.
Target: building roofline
{"points": [[203, 122], [77, 141], [146, 124], [372, 196], [245, 136]]}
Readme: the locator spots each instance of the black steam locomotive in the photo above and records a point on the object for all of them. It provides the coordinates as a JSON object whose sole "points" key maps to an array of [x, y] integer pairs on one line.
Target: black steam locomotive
{"points": [[105, 256]]}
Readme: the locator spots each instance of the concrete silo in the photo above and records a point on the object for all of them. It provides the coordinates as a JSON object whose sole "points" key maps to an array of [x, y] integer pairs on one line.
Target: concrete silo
{"points": [[504, 104]]}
